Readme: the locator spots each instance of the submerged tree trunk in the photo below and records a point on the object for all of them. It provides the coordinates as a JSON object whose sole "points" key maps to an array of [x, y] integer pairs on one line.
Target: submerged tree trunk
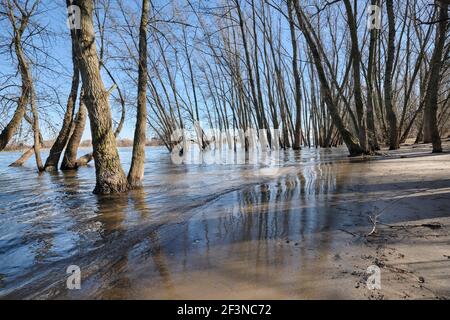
{"points": [[69, 161], [356, 62], [249, 66], [55, 152], [19, 25], [26, 155], [36, 131], [298, 95], [432, 92], [88, 157], [110, 177], [372, 134], [137, 161], [351, 142], [391, 115]]}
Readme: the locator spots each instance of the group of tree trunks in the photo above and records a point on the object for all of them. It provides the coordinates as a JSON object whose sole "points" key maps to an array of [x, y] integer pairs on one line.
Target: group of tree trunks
{"points": [[356, 130], [94, 102]]}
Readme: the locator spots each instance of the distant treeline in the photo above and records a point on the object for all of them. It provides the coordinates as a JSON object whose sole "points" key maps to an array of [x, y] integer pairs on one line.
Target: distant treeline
{"points": [[47, 144]]}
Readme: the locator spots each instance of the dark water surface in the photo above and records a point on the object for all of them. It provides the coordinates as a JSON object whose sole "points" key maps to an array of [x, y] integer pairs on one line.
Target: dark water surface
{"points": [[193, 231]]}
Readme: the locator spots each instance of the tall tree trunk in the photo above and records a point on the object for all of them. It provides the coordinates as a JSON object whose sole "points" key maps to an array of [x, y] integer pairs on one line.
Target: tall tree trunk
{"points": [[356, 63], [36, 131], [372, 134], [391, 115], [110, 177], [264, 122], [137, 161], [85, 159], [249, 66], [432, 92], [64, 134], [298, 95]]}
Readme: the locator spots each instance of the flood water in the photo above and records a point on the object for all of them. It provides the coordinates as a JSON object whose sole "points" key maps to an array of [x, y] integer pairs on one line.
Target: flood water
{"points": [[193, 231]]}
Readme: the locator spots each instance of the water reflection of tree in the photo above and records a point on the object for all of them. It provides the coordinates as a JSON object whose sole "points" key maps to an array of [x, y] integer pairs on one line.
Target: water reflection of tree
{"points": [[156, 251], [42, 231], [111, 214], [298, 203]]}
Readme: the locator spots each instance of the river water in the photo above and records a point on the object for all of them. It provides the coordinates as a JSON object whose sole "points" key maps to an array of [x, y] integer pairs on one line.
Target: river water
{"points": [[193, 231]]}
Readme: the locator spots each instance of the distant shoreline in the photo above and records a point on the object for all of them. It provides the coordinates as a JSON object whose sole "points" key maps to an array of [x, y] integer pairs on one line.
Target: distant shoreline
{"points": [[23, 149]]}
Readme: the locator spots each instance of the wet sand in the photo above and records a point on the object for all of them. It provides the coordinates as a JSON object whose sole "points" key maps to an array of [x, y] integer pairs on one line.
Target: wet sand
{"points": [[306, 232]]}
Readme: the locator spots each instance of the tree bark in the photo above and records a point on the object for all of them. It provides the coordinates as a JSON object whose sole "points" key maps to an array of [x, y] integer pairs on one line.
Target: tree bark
{"points": [[36, 131], [249, 66], [110, 177], [372, 134], [356, 62], [391, 115], [432, 92], [137, 161], [298, 95], [69, 161]]}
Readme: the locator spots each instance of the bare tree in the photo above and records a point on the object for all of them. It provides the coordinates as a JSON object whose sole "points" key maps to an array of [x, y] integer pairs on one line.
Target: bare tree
{"points": [[298, 95], [432, 91], [391, 115], [110, 177], [352, 142], [137, 161], [19, 25]]}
